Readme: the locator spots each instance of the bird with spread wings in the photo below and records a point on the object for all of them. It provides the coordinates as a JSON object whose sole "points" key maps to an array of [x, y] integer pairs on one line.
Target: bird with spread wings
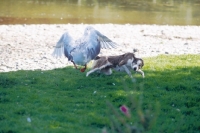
{"points": [[83, 50]]}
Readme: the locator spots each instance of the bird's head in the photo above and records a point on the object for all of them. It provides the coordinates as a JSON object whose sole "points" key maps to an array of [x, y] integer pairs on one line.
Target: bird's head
{"points": [[88, 29]]}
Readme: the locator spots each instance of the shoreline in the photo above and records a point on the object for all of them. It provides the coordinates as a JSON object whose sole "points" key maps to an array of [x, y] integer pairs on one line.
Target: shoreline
{"points": [[29, 47]]}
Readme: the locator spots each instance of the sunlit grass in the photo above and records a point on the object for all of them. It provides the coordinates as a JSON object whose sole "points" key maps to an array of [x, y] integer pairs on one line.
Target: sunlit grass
{"points": [[65, 100]]}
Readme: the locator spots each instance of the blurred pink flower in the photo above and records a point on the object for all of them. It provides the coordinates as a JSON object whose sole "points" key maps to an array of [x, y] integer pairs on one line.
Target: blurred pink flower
{"points": [[125, 110]]}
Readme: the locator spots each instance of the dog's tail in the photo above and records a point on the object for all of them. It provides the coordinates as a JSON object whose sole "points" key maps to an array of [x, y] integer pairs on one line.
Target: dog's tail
{"points": [[96, 58], [135, 50]]}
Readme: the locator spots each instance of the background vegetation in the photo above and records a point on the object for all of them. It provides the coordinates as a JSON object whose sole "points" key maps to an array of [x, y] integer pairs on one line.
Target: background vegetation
{"points": [[65, 100]]}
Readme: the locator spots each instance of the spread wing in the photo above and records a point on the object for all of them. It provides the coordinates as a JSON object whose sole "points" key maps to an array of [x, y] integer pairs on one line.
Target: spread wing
{"points": [[105, 42], [63, 46]]}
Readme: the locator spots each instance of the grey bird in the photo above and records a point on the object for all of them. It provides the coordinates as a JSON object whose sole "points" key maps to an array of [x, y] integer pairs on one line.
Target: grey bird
{"points": [[83, 50]]}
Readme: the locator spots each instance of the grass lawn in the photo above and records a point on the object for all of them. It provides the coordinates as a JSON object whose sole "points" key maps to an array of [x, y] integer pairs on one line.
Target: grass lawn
{"points": [[65, 100]]}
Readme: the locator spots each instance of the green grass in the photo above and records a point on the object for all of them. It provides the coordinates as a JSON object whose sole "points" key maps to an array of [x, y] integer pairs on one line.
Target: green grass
{"points": [[65, 100]]}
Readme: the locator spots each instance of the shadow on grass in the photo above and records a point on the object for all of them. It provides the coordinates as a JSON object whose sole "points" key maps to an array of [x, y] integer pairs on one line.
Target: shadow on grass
{"points": [[65, 99]]}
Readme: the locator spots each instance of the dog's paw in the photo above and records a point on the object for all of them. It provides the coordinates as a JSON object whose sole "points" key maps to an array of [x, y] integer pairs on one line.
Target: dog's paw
{"points": [[87, 74]]}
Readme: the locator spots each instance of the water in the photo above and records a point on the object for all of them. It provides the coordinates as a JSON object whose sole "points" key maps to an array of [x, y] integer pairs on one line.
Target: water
{"points": [[171, 12]]}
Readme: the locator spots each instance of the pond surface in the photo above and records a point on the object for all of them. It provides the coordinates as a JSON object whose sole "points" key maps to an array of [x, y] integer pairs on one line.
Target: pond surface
{"points": [[171, 12]]}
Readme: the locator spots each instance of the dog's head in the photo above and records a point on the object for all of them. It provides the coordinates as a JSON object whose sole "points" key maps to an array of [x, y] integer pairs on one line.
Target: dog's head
{"points": [[137, 64]]}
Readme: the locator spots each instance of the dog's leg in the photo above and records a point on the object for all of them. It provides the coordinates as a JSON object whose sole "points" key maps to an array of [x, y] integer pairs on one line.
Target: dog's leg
{"points": [[91, 71], [141, 72], [107, 71], [127, 71], [95, 69]]}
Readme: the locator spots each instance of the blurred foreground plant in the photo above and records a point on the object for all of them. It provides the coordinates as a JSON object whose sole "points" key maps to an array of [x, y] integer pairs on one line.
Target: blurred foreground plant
{"points": [[132, 118]]}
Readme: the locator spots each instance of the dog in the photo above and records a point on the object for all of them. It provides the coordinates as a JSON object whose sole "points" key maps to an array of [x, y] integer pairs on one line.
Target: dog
{"points": [[124, 62]]}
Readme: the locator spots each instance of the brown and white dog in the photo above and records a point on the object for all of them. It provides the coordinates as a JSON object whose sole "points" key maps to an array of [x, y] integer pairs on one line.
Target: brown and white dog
{"points": [[125, 62]]}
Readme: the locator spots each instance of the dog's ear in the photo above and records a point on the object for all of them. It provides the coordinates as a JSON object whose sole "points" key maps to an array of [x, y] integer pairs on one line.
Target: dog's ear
{"points": [[142, 63]]}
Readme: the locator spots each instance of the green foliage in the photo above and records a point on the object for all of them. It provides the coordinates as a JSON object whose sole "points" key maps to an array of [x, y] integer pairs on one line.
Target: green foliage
{"points": [[65, 100]]}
